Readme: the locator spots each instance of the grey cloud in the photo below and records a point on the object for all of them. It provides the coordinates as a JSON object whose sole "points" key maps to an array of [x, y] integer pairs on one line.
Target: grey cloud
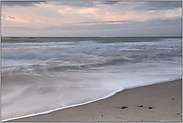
{"points": [[110, 2], [20, 3], [150, 5], [105, 22], [156, 27], [160, 5], [86, 3], [162, 24], [20, 28], [94, 26], [77, 4], [12, 17], [158, 23]]}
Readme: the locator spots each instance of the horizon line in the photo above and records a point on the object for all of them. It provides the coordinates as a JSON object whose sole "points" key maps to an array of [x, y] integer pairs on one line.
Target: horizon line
{"points": [[86, 36]]}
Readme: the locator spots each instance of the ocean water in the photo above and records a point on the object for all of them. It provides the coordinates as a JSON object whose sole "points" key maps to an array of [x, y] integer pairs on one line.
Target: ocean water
{"points": [[41, 75]]}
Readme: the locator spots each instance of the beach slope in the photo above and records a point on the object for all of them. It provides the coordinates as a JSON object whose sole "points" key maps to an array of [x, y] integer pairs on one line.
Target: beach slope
{"points": [[164, 98]]}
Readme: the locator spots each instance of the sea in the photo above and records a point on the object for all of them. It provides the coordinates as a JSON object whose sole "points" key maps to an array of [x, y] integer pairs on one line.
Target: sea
{"points": [[44, 74]]}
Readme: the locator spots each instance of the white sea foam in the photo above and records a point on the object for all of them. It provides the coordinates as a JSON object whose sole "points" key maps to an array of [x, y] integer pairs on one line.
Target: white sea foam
{"points": [[48, 78]]}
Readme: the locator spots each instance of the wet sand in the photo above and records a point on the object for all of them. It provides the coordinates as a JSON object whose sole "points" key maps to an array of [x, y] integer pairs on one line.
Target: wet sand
{"points": [[164, 98]]}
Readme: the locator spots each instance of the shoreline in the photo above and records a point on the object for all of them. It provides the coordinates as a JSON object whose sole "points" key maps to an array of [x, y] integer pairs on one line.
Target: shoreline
{"points": [[109, 109]]}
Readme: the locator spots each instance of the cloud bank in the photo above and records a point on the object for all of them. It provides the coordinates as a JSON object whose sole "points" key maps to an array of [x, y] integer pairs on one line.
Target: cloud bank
{"points": [[93, 18]]}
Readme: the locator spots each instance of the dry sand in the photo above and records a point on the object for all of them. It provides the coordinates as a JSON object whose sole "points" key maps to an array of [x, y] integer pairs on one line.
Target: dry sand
{"points": [[165, 98]]}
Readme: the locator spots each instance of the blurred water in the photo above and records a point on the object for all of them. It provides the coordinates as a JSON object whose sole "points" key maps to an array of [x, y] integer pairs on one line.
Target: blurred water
{"points": [[46, 74]]}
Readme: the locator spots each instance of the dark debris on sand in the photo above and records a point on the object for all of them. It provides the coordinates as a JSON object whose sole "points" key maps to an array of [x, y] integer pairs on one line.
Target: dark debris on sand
{"points": [[124, 107], [150, 107]]}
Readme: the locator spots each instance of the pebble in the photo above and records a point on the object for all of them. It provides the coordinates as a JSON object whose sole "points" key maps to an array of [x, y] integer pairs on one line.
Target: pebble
{"points": [[150, 107], [173, 98], [178, 113], [140, 105], [124, 107]]}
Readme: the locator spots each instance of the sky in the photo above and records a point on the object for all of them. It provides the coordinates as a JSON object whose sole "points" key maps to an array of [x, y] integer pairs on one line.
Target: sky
{"points": [[91, 18]]}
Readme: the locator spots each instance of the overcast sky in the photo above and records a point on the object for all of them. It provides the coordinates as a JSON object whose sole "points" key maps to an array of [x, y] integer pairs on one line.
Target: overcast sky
{"points": [[92, 18]]}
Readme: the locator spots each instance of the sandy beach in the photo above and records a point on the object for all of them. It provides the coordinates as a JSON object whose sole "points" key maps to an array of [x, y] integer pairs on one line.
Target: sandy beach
{"points": [[164, 98]]}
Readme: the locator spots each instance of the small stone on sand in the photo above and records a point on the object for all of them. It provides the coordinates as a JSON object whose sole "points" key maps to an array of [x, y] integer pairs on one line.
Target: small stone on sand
{"points": [[150, 107], [124, 107], [173, 98], [140, 105], [178, 113]]}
